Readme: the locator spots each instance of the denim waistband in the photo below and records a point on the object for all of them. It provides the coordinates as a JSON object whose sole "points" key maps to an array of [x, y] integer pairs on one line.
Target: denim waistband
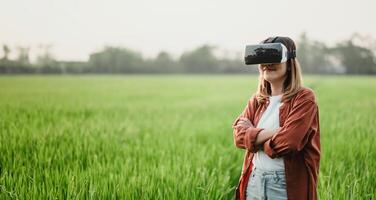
{"points": [[268, 172]]}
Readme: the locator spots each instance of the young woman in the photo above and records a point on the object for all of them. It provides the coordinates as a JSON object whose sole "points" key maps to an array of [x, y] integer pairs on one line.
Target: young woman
{"points": [[279, 128]]}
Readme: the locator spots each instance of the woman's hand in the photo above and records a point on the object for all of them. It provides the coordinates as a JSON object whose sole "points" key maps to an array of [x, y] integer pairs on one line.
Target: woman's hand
{"points": [[265, 135], [244, 122]]}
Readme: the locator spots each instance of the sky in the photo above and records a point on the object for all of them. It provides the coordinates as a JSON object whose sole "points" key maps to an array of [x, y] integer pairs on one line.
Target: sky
{"points": [[76, 28]]}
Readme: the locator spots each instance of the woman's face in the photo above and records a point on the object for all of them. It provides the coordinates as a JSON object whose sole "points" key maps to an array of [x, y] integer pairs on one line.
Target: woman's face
{"points": [[273, 72]]}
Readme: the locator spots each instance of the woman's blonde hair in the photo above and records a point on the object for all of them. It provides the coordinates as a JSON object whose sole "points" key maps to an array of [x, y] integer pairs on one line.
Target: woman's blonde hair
{"points": [[293, 80]]}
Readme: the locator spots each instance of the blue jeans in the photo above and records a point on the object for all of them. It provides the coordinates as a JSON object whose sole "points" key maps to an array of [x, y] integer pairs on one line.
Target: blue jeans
{"points": [[266, 185]]}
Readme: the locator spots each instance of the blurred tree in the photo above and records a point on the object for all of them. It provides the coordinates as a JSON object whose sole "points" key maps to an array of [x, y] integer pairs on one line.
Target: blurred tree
{"points": [[313, 56], [23, 55], [353, 56], [365, 41], [356, 59], [200, 60], [164, 63], [6, 51], [116, 60], [45, 62]]}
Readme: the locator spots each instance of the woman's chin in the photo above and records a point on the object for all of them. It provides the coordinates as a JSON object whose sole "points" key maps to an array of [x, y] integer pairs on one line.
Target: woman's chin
{"points": [[272, 77], [269, 77]]}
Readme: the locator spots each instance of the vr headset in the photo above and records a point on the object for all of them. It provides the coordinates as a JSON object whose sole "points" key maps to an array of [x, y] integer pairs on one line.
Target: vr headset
{"points": [[267, 53]]}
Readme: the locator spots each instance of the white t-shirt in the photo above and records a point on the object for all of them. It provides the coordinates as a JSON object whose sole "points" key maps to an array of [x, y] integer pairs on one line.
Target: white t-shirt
{"points": [[269, 120]]}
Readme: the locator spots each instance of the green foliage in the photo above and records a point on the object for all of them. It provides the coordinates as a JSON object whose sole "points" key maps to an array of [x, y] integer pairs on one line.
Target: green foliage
{"points": [[164, 63], [163, 137], [313, 56], [200, 60], [356, 59], [345, 57], [115, 60]]}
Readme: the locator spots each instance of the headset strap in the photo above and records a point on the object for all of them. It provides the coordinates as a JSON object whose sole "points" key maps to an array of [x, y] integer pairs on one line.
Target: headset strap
{"points": [[291, 54]]}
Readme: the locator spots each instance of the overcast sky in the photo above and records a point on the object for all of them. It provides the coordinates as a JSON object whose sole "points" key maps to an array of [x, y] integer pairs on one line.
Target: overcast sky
{"points": [[77, 28]]}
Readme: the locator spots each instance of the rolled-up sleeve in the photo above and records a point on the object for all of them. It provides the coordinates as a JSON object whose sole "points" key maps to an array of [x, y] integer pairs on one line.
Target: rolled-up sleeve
{"points": [[250, 133]]}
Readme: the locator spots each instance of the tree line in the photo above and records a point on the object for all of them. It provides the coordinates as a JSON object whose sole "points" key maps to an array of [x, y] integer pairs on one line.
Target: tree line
{"points": [[355, 55]]}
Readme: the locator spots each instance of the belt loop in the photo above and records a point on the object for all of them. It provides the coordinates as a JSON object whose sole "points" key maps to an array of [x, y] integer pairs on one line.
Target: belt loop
{"points": [[276, 175]]}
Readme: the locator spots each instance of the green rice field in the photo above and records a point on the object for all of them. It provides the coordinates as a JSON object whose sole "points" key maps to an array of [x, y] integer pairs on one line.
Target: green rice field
{"points": [[164, 136]]}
